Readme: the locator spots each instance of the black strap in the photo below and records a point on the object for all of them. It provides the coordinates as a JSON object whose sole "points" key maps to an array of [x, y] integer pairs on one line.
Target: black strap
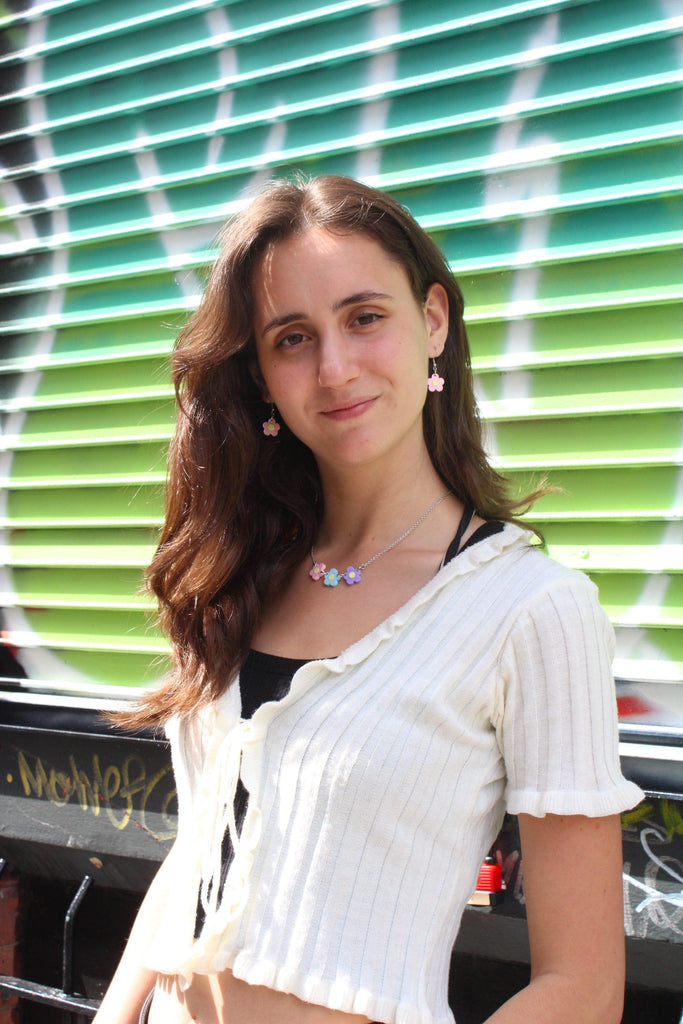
{"points": [[465, 520], [487, 529]]}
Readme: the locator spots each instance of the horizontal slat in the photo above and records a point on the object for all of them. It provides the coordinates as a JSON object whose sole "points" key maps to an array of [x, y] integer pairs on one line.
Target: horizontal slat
{"points": [[82, 467], [641, 386], [648, 439], [507, 195], [172, 306], [94, 303], [127, 547], [615, 546], [84, 507], [596, 126], [610, 494], [56, 52], [89, 672], [656, 601], [578, 338], [139, 338], [649, 654], [90, 385], [91, 630], [114, 424], [606, 283], [577, 235], [115, 254], [75, 588], [40, 10]]}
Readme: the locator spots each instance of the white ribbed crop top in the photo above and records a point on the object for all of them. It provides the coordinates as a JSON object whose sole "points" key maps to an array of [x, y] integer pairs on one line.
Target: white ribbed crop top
{"points": [[378, 783]]}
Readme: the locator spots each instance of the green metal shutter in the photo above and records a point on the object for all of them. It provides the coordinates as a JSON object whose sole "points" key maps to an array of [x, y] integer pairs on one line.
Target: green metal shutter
{"points": [[539, 142]]}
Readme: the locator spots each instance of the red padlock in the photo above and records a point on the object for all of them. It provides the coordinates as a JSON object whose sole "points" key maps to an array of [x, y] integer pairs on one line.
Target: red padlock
{"points": [[489, 889]]}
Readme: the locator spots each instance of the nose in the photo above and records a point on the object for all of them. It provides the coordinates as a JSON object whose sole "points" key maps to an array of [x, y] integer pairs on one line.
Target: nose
{"points": [[338, 363]]}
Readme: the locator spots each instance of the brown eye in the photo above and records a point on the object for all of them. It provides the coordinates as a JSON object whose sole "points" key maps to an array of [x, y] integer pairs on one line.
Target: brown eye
{"points": [[366, 318], [291, 340]]}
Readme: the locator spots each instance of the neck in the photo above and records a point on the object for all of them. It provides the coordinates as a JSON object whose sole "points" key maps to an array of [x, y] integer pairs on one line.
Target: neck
{"points": [[363, 511]]}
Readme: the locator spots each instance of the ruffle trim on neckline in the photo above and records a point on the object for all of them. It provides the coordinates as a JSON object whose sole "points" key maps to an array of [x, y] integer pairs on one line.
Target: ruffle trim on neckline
{"points": [[467, 561]]}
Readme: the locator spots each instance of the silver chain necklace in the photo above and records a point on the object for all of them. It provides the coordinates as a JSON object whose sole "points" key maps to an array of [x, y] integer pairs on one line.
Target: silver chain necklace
{"points": [[352, 574]]}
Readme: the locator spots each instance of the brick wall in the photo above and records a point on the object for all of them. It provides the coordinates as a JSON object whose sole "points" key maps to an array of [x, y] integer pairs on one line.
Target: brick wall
{"points": [[9, 944]]}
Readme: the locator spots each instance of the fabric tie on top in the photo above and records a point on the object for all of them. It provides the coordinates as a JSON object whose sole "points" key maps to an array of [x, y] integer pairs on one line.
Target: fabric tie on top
{"points": [[223, 900]]}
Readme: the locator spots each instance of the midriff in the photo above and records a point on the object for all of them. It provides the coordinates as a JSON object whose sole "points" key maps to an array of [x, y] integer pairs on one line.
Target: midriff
{"points": [[224, 999]]}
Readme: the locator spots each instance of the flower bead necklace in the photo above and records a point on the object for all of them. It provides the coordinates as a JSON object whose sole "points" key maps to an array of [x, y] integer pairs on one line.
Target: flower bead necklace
{"points": [[352, 574]]}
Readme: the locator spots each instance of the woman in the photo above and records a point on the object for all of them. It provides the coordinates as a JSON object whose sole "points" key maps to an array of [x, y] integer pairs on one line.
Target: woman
{"points": [[371, 660]]}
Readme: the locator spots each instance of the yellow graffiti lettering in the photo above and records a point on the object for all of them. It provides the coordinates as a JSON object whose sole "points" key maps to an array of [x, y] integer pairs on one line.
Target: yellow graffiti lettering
{"points": [[60, 788], [87, 792], [120, 790], [643, 810], [151, 784], [111, 785], [672, 818], [168, 815], [33, 784], [134, 779]]}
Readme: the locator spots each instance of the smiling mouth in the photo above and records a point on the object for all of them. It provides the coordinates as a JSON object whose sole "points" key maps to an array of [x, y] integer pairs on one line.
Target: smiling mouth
{"points": [[347, 410]]}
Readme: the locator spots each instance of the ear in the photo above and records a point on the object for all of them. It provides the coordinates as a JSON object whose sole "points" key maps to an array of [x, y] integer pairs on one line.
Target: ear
{"points": [[436, 314]]}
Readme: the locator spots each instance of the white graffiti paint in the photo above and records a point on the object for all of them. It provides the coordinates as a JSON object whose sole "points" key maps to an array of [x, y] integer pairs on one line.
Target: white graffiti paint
{"points": [[526, 189], [660, 908], [374, 114]]}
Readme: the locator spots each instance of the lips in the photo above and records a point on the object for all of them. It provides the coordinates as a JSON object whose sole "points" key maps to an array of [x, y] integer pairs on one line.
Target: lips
{"points": [[349, 408]]}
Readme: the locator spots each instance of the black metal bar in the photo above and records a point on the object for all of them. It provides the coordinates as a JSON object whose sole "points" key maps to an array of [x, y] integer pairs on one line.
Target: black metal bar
{"points": [[68, 943], [49, 996], [62, 998]]}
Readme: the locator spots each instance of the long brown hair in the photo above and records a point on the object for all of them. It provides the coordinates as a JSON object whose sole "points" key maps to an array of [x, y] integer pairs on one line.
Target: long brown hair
{"points": [[242, 510]]}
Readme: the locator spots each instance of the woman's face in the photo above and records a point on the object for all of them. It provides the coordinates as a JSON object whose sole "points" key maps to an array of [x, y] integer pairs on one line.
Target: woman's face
{"points": [[343, 345]]}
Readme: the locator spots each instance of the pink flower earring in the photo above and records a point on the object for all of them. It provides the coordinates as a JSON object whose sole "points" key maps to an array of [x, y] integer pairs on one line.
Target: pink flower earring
{"points": [[435, 382], [271, 427]]}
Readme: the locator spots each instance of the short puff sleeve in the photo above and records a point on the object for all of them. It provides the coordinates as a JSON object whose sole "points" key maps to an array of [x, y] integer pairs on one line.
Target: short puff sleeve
{"points": [[556, 717]]}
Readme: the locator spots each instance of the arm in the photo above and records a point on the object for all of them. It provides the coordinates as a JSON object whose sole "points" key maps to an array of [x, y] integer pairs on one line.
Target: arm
{"points": [[572, 882], [132, 981]]}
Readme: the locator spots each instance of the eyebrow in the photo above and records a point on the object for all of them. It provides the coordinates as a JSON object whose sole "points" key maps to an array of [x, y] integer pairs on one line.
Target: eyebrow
{"points": [[351, 300], [281, 321], [359, 297]]}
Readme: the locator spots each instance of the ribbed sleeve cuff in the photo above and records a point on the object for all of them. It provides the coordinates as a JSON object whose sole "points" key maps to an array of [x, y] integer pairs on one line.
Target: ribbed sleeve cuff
{"points": [[596, 804]]}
